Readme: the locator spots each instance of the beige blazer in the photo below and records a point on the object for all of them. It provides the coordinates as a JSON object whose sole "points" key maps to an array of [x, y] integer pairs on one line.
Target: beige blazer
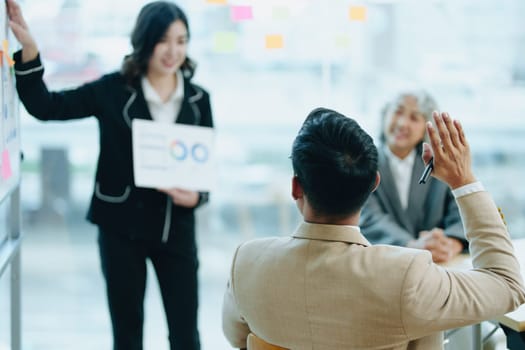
{"points": [[327, 288]]}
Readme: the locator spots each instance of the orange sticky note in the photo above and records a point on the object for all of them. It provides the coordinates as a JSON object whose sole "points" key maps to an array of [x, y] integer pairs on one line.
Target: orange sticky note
{"points": [[5, 46], [5, 169], [274, 41], [219, 2], [357, 13]]}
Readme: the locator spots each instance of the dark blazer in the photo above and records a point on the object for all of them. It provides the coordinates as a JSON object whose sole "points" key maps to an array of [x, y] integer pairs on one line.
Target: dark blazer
{"points": [[384, 221], [116, 203]]}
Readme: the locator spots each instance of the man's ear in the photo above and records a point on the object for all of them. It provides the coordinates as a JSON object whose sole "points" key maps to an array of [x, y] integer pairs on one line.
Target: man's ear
{"points": [[297, 190], [378, 181]]}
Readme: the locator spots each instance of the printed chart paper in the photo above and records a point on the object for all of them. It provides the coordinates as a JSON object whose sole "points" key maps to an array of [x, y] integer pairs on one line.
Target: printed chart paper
{"points": [[173, 155]]}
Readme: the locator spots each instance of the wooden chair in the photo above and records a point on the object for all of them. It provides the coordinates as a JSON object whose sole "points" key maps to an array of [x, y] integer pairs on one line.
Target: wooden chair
{"points": [[256, 343]]}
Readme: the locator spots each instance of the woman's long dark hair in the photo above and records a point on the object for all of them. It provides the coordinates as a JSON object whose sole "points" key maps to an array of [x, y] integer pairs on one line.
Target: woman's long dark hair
{"points": [[152, 23]]}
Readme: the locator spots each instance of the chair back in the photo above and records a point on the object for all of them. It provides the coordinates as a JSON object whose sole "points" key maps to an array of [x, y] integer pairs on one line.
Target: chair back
{"points": [[256, 343]]}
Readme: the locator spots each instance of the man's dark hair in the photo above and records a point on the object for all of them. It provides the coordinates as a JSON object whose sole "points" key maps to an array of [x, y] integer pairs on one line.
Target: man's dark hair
{"points": [[335, 162], [152, 23]]}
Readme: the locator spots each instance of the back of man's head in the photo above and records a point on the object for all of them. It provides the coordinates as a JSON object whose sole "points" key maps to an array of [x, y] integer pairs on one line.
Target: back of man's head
{"points": [[335, 162]]}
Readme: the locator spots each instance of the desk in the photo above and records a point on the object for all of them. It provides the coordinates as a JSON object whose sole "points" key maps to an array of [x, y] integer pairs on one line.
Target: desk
{"points": [[512, 323], [463, 262]]}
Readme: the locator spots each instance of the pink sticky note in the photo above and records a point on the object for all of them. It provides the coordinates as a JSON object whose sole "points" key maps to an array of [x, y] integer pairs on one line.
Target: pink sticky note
{"points": [[5, 169], [241, 13]]}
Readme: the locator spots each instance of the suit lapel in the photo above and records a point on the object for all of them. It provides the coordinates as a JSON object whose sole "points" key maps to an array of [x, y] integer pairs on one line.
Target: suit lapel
{"points": [[187, 114], [417, 193], [138, 107], [389, 195]]}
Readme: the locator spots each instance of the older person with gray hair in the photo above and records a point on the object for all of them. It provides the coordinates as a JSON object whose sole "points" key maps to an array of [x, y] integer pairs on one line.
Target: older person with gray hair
{"points": [[402, 211]]}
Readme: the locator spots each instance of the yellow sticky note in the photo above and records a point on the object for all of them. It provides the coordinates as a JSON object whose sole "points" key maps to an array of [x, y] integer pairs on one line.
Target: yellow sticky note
{"points": [[224, 42], [357, 13], [5, 47], [274, 41], [218, 2]]}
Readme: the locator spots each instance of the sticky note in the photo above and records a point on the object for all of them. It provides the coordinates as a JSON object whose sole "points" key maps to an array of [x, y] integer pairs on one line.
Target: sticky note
{"points": [[5, 168], [224, 42], [219, 2], [5, 47], [241, 13], [274, 41], [342, 41], [357, 13], [280, 13]]}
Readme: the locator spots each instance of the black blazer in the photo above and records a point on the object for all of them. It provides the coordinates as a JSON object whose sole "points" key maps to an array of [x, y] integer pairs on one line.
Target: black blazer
{"points": [[116, 204]]}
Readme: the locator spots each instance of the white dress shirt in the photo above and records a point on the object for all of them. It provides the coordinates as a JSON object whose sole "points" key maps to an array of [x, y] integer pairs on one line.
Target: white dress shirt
{"points": [[164, 112], [402, 172]]}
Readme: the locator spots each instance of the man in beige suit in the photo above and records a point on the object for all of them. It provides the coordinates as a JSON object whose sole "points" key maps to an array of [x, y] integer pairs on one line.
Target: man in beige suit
{"points": [[327, 288]]}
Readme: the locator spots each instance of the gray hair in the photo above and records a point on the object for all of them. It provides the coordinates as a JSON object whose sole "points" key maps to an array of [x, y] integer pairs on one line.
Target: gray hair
{"points": [[426, 103]]}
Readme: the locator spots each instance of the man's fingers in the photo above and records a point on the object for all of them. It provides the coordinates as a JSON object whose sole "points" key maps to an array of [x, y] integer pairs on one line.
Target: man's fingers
{"points": [[435, 141], [461, 134], [452, 130], [443, 131]]}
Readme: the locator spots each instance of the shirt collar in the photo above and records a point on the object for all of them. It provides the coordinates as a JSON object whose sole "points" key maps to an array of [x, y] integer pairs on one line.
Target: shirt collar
{"points": [[150, 95], [337, 233], [408, 160]]}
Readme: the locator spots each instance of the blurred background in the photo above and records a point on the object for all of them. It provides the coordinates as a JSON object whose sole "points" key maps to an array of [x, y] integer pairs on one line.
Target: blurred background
{"points": [[266, 67]]}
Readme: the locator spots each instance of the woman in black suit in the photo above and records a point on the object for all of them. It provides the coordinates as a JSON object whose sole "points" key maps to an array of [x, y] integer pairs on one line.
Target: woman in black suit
{"points": [[135, 224]]}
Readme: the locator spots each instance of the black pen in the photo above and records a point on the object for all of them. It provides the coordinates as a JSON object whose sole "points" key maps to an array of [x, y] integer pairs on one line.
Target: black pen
{"points": [[426, 173]]}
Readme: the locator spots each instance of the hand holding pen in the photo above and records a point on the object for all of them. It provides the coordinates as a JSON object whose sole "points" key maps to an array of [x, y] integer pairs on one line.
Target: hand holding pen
{"points": [[428, 170], [448, 155]]}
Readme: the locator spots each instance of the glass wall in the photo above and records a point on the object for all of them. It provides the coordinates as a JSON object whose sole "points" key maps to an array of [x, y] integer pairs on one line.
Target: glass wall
{"points": [[266, 67]]}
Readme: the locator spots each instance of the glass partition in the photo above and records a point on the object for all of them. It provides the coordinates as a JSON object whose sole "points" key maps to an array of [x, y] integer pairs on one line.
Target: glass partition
{"points": [[265, 70]]}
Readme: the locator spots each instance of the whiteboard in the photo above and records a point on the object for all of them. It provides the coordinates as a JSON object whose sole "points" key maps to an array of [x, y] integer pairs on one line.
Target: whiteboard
{"points": [[9, 113]]}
